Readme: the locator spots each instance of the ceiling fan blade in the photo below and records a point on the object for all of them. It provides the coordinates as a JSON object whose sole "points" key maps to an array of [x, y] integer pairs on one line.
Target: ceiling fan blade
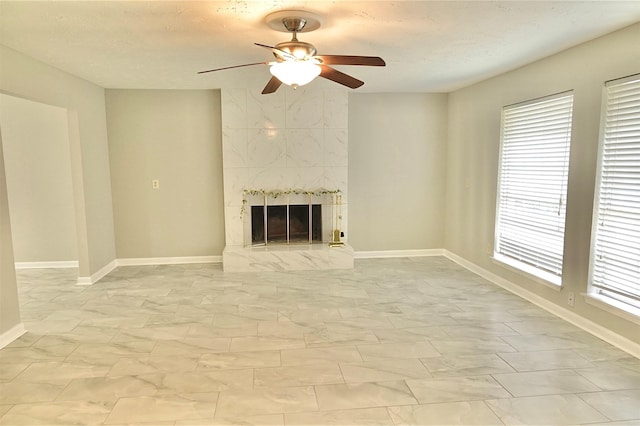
{"points": [[271, 86], [372, 61], [340, 77], [279, 51], [234, 66]]}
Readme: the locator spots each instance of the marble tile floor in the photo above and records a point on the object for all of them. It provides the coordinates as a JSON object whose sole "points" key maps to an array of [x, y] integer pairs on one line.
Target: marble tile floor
{"points": [[391, 342]]}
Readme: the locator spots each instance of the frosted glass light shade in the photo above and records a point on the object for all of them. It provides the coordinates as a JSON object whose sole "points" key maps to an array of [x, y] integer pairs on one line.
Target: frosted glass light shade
{"points": [[295, 73]]}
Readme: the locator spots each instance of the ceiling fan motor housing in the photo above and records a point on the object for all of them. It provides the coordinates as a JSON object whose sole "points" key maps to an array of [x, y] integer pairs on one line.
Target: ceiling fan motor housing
{"points": [[299, 49]]}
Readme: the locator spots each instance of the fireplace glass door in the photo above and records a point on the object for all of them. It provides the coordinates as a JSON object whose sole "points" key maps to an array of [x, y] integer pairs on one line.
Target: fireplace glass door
{"points": [[286, 224]]}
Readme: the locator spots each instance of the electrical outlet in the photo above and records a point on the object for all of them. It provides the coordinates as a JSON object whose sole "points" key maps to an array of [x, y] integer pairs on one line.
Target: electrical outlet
{"points": [[155, 184], [571, 299]]}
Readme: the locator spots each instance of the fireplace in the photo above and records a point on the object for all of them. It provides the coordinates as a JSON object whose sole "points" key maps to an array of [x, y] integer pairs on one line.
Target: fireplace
{"points": [[286, 224], [291, 149]]}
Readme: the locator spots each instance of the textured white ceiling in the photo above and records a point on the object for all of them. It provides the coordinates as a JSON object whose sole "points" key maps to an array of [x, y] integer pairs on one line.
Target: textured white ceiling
{"points": [[429, 46]]}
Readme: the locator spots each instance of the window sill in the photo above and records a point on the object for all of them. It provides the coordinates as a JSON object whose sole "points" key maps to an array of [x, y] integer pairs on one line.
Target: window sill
{"points": [[613, 307], [529, 272]]}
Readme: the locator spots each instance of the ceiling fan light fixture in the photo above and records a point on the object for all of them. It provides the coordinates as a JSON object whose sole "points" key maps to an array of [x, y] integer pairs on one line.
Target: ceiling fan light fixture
{"points": [[295, 73]]}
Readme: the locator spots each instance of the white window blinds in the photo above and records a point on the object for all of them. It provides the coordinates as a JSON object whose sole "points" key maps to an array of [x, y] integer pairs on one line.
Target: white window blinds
{"points": [[615, 257], [532, 185]]}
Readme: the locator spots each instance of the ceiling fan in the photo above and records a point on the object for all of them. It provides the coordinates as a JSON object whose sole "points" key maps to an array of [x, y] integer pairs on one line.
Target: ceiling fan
{"points": [[296, 62]]}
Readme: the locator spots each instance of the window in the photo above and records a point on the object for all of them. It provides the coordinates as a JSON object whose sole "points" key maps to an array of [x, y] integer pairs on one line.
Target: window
{"points": [[615, 254], [532, 185]]}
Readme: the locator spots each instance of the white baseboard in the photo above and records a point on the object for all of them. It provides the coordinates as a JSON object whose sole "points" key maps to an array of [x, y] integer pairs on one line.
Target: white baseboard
{"points": [[587, 325], [47, 265], [12, 334], [398, 253], [97, 276], [148, 261]]}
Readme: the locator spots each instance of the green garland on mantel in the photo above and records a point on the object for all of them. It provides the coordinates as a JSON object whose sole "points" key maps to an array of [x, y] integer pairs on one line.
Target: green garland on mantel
{"points": [[275, 193]]}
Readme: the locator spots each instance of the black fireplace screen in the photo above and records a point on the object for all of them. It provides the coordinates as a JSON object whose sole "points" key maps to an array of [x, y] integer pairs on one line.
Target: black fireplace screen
{"points": [[286, 223]]}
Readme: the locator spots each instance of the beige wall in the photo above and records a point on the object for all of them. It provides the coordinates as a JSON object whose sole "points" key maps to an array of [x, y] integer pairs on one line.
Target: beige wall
{"points": [[35, 137], [473, 150], [173, 136], [27, 78], [9, 310], [397, 149]]}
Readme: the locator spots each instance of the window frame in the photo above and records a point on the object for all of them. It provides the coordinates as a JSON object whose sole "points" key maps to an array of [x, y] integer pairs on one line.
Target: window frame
{"points": [[530, 270], [596, 295]]}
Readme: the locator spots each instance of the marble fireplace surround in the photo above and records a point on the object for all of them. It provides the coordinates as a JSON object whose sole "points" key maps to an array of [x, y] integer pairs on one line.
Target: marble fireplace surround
{"points": [[292, 139]]}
